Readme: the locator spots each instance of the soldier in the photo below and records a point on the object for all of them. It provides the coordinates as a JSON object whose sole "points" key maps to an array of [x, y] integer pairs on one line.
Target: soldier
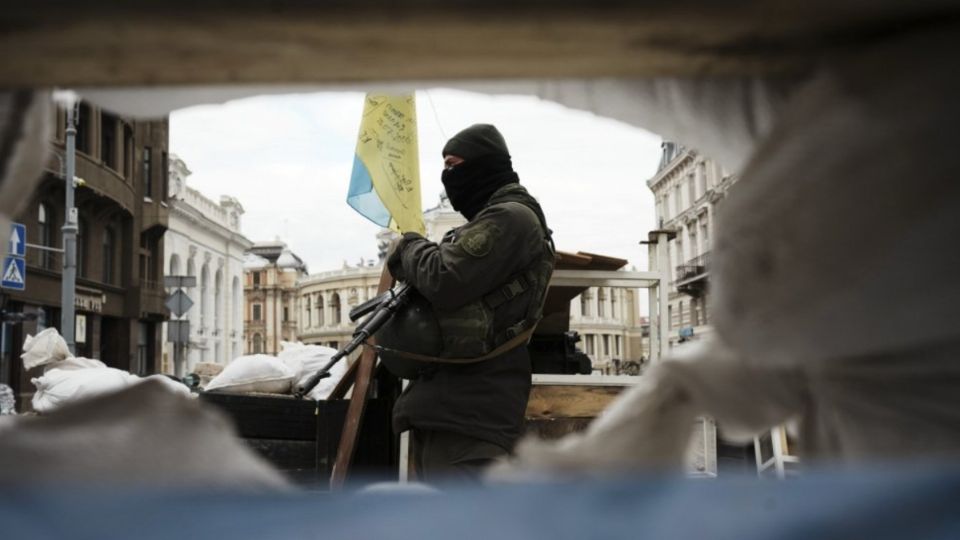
{"points": [[485, 283]]}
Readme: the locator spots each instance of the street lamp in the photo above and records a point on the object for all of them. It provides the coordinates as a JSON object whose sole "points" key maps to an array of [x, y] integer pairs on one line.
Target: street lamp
{"points": [[69, 280]]}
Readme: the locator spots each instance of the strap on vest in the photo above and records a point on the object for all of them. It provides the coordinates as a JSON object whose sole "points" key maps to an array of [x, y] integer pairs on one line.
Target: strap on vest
{"points": [[512, 289], [516, 341]]}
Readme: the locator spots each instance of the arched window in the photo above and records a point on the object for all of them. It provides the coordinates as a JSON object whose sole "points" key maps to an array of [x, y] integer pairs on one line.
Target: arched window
{"points": [[335, 308], [320, 310], [204, 290], [108, 254], [309, 314], [257, 344], [217, 302], [174, 265]]}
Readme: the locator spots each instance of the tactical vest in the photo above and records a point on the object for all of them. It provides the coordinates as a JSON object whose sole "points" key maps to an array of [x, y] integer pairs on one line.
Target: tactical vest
{"points": [[495, 323]]}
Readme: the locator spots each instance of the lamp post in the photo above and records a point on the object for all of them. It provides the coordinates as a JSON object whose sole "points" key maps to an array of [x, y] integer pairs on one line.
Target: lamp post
{"points": [[69, 282]]}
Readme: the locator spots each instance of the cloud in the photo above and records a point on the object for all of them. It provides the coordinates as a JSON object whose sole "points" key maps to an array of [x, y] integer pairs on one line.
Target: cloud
{"points": [[288, 160]]}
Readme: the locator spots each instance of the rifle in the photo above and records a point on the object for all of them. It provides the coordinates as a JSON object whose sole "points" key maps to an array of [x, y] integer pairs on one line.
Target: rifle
{"points": [[383, 308]]}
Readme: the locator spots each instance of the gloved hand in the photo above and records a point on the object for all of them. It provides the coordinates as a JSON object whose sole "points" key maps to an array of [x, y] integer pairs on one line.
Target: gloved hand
{"points": [[395, 255]]}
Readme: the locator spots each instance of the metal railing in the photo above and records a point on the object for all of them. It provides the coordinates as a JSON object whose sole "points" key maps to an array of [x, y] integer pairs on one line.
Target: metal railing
{"points": [[695, 267]]}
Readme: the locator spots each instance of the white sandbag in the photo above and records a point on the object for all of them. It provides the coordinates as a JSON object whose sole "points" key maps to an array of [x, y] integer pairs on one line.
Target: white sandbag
{"points": [[44, 348], [62, 386], [306, 360], [255, 373], [143, 437], [74, 362], [171, 385]]}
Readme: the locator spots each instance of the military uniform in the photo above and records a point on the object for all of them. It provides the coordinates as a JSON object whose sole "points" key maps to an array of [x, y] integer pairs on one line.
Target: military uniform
{"points": [[486, 282]]}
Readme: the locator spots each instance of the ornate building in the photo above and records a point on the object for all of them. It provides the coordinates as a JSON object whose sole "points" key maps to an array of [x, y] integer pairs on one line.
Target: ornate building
{"points": [[271, 274], [204, 241], [326, 298], [612, 333], [122, 210], [687, 187]]}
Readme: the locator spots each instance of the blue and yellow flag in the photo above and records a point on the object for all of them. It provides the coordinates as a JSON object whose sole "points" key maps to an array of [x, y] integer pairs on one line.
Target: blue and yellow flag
{"points": [[385, 184]]}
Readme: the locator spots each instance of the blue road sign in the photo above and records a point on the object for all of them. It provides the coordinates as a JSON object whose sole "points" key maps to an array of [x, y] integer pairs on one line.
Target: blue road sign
{"points": [[17, 245], [14, 274]]}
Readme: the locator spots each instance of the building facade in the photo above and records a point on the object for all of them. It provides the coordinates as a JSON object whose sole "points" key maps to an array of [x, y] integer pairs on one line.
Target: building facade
{"points": [[204, 241], [612, 332], [326, 298], [271, 273], [120, 196], [687, 188]]}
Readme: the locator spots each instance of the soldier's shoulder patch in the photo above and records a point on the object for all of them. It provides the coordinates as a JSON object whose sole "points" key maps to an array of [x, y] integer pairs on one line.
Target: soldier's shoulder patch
{"points": [[479, 240]]}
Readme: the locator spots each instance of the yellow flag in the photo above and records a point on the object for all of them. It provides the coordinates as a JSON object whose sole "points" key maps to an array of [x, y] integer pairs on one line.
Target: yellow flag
{"points": [[385, 184]]}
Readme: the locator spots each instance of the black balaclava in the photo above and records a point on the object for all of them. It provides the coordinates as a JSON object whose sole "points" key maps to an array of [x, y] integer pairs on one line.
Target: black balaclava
{"points": [[486, 168]]}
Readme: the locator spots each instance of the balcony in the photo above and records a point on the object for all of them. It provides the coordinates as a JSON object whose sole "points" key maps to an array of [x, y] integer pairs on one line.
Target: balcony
{"points": [[692, 276], [152, 297]]}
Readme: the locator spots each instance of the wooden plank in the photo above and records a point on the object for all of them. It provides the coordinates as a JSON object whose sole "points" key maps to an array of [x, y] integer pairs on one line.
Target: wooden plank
{"points": [[176, 42], [358, 400], [550, 402]]}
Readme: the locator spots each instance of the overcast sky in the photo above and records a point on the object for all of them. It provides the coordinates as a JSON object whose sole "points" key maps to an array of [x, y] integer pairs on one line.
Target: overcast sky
{"points": [[288, 160]]}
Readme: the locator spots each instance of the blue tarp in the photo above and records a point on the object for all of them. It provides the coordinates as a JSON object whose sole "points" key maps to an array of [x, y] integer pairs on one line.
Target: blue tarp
{"points": [[899, 503]]}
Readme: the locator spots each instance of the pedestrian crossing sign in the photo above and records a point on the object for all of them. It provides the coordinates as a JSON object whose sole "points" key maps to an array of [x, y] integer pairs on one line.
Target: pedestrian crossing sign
{"points": [[14, 274]]}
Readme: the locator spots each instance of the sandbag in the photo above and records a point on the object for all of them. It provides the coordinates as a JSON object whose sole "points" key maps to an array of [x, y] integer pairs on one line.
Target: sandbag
{"points": [[74, 362], [46, 347], [260, 373], [171, 385], [141, 437], [306, 360], [62, 386]]}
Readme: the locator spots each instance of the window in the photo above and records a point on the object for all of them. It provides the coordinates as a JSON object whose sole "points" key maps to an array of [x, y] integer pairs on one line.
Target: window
{"points": [[257, 343], [680, 259], [335, 308], [589, 344], [320, 311], [606, 345], [616, 347], [147, 172], [84, 129], [702, 176], [613, 303], [107, 251], [257, 312], [164, 176], [81, 247], [44, 231], [108, 140], [670, 317], [309, 320], [127, 152], [692, 232], [680, 314], [601, 302], [692, 185], [705, 233], [286, 314], [584, 304], [256, 279], [677, 205]]}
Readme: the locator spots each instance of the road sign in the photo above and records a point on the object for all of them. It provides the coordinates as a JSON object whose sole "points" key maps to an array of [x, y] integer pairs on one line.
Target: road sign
{"points": [[178, 331], [17, 245], [178, 303], [14, 274], [179, 282]]}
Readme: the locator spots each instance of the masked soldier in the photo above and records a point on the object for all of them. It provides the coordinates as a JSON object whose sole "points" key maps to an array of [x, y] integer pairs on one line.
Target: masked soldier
{"points": [[484, 285]]}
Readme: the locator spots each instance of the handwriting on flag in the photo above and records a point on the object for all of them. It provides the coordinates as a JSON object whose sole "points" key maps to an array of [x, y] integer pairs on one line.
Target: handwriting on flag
{"points": [[388, 156]]}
